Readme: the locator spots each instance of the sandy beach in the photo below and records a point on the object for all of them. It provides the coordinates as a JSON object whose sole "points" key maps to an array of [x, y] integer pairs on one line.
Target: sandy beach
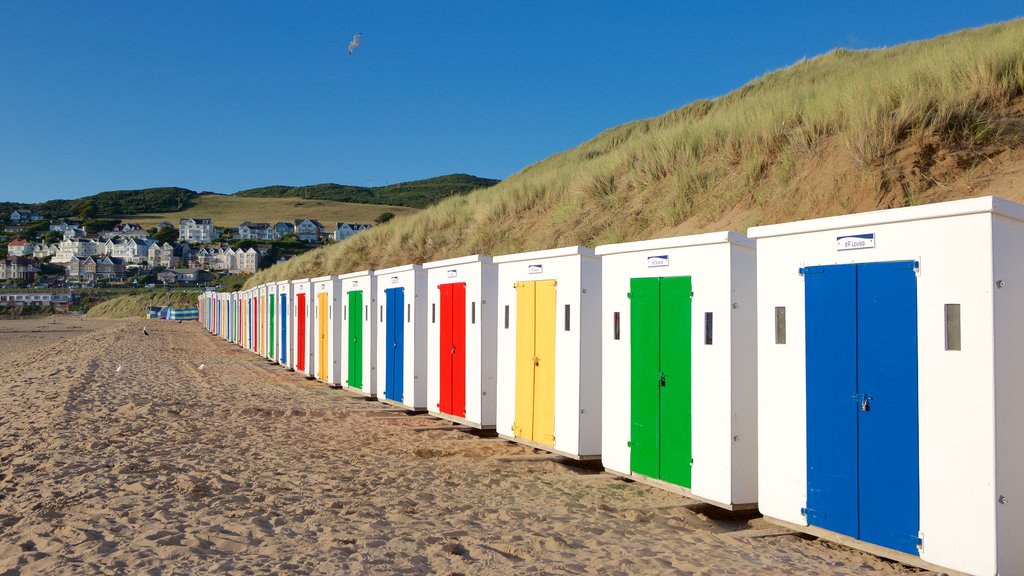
{"points": [[119, 455]]}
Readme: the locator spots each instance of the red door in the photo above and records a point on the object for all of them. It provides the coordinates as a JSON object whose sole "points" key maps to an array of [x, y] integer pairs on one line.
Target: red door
{"points": [[300, 332], [453, 349]]}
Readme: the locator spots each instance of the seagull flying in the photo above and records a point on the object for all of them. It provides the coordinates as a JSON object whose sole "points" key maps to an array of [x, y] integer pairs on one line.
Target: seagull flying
{"points": [[354, 43]]}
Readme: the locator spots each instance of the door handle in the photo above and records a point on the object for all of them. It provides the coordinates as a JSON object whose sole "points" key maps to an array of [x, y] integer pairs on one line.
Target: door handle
{"points": [[453, 348], [661, 379], [536, 361], [863, 401]]}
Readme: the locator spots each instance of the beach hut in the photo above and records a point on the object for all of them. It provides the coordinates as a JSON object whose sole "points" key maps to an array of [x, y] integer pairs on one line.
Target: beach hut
{"points": [[889, 376], [678, 361], [283, 333], [461, 340], [402, 336], [272, 313], [302, 312], [326, 328], [548, 346], [358, 311], [233, 303], [251, 319], [261, 329]]}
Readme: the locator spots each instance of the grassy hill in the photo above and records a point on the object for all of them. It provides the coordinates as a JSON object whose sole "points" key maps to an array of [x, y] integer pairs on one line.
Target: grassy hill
{"points": [[114, 203], [844, 132], [233, 210], [128, 203], [417, 194]]}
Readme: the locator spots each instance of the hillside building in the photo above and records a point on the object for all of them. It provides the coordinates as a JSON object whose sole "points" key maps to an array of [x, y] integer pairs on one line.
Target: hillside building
{"points": [[345, 230], [308, 230], [196, 230]]}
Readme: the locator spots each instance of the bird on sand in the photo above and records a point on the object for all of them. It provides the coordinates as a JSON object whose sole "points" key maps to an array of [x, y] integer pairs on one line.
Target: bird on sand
{"points": [[354, 43], [144, 332], [202, 367], [118, 369]]}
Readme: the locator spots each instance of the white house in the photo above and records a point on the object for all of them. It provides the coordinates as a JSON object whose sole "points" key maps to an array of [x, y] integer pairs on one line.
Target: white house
{"points": [[345, 230], [25, 216], [196, 230], [308, 230], [21, 247], [247, 261], [255, 231]]}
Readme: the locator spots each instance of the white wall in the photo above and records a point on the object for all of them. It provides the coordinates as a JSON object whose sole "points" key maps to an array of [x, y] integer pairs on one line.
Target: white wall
{"points": [[330, 286], [566, 267], [722, 376], [1009, 394], [285, 288], [302, 315], [413, 279], [481, 278], [956, 430], [364, 281]]}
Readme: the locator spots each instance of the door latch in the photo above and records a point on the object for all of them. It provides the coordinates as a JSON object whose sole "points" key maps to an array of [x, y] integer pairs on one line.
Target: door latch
{"points": [[536, 361], [864, 401], [661, 379]]}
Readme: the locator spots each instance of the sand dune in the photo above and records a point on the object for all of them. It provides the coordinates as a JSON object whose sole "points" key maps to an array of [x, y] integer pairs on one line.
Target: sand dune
{"points": [[245, 468]]}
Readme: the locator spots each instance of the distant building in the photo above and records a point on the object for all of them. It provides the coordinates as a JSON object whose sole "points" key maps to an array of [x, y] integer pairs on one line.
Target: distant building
{"points": [[255, 231], [19, 247], [38, 299], [127, 230], [25, 216], [63, 226], [196, 230], [247, 261], [180, 276], [282, 229], [93, 268], [164, 224], [18, 268], [308, 230], [345, 230]]}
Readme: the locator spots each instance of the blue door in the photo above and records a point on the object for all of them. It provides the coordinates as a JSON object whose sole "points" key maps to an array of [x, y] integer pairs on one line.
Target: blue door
{"points": [[862, 411], [395, 341], [283, 348]]}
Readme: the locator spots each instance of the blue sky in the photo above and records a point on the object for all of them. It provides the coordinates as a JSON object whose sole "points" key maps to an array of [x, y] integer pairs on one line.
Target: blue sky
{"points": [[226, 95]]}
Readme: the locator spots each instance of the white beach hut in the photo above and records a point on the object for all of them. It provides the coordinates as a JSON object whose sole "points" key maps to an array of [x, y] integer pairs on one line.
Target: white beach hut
{"points": [[461, 340], [271, 313], [326, 330], [284, 331], [302, 314], [358, 312], [889, 374], [261, 315], [402, 336], [548, 350], [679, 352]]}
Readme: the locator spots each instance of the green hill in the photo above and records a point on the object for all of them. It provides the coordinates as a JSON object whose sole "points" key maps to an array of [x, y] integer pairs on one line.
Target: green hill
{"points": [[415, 194], [114, 203], [844, 132], [120, 203]]}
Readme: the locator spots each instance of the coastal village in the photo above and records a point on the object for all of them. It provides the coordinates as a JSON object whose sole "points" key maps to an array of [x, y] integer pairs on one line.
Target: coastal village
{"points": [[54, 257]]}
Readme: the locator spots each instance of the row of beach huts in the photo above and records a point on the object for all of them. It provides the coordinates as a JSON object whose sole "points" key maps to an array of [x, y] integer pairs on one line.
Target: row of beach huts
{"points": [[857, 377]]}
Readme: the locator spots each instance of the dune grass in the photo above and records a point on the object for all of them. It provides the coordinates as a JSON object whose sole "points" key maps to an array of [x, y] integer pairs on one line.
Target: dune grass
{"points": [[233, 210], [134, 305], [760, 154]]}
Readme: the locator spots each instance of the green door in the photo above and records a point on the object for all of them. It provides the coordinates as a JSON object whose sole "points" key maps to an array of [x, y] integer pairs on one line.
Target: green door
{"points": [[660, 416], [355, 339]]}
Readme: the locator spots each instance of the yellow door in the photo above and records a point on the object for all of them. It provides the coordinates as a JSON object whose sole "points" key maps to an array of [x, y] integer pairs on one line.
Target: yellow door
{"points": [[526, 292], [321, 307], [535, 362], [544, 379]]}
